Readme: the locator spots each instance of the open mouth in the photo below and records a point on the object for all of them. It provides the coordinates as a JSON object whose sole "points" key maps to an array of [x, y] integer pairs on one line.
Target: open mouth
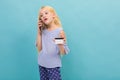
{"points": [[45, 19]]}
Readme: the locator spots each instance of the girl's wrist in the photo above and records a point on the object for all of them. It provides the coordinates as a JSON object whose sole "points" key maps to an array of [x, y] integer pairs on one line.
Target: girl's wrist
{"points": [[61, 45], [39, 33]]}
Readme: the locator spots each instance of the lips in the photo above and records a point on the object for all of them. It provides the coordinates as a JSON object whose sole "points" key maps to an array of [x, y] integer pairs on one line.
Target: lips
{"points": [[45, 19]]}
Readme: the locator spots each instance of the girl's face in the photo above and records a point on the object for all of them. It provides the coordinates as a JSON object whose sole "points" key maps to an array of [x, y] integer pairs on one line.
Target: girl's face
{"points": [[46, 16]]}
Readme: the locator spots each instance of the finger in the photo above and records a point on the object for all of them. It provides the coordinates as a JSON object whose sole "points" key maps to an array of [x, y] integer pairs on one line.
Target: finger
{"points": [[39, 24], [62, 34], [40, 20]]}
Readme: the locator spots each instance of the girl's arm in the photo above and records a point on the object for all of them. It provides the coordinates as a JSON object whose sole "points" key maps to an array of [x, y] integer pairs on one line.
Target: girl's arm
{"points": [[39, 37], [39, 42], [62, 50], [62, 46]]}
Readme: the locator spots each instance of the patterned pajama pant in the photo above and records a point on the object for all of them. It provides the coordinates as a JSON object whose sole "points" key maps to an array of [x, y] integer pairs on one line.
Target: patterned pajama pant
{"points": [[49, 73]]}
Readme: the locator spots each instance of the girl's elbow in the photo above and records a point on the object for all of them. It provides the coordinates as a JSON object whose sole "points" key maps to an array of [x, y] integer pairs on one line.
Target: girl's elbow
{"points": [[39, 49]]}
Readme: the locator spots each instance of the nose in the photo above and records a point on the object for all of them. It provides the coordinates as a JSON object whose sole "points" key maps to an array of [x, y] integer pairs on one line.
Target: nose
{"points": [[44, 16]]}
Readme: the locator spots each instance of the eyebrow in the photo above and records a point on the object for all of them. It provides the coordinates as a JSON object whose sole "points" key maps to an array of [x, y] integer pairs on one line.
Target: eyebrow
{"points": [[44, 12]]}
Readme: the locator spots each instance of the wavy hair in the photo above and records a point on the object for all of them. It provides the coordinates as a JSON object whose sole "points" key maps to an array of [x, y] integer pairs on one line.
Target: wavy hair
{"points": [[56, 19]]}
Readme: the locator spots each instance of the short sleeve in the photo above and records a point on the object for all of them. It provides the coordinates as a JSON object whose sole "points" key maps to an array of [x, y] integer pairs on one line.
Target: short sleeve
{"points": [[67, 50]]}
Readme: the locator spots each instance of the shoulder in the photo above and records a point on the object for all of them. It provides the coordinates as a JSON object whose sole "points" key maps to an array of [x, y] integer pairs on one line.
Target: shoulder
{"points": [[59, 30]]}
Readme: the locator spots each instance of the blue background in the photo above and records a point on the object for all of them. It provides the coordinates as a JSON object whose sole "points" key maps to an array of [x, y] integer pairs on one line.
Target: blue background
{"points": [[93, 32]]}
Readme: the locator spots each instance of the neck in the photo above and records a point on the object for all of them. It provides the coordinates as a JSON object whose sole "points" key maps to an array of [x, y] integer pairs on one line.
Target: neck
{"points": [[51, 26]]}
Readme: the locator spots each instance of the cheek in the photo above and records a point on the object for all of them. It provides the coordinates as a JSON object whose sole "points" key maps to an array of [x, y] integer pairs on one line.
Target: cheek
{"points": [[51, 18]]}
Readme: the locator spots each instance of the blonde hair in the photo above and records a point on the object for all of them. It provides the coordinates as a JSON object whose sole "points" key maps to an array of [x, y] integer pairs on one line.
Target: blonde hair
{"points": [[56, 19]]}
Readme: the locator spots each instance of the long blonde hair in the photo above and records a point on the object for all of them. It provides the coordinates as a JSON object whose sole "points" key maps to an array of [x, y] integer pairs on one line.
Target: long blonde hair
{"points": [[56, 19]]}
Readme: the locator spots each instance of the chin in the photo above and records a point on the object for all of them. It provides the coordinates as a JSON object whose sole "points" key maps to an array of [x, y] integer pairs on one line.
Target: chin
{"points": [[47, 23]]}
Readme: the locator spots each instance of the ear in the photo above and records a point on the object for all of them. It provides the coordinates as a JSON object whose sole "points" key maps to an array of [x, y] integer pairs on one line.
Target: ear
{"points": [[54, 15]]}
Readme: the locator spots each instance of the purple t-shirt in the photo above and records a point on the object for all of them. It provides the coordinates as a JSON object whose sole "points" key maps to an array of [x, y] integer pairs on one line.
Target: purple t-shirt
{"points": [[49, 56]]}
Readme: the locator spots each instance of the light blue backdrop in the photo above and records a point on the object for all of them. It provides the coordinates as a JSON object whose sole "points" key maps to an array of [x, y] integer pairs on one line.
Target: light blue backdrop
{"points": [[92, 28]]}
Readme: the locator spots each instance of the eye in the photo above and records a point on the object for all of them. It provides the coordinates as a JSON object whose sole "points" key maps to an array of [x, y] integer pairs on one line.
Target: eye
{"points": [[46, 12], [39, 18], [41, 15]]}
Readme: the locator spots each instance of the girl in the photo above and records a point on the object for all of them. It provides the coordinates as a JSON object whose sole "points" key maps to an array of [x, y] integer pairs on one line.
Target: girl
{"points": [[49, 28]]}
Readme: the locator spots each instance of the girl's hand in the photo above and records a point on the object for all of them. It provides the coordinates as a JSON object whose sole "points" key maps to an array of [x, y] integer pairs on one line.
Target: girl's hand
{"points": [[61, 46], [40, 25], [62, 35]]}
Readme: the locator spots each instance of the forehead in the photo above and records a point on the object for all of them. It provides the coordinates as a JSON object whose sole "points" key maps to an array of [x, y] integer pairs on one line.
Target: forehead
{"points": [[44, 10]]}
